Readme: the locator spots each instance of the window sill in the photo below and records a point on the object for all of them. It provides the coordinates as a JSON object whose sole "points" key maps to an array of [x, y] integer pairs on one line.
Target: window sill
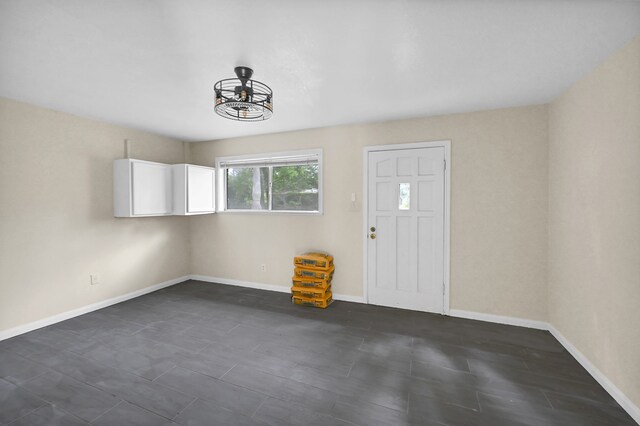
{"points": [[271, 212]]}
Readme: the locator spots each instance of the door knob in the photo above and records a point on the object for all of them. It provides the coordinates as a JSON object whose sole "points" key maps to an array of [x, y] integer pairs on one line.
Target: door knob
{"points": [[372, 236], [373, 229]]}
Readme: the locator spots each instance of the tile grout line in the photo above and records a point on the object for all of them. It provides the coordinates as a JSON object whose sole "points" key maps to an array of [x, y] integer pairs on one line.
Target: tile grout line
{"points": [[100, 415], [68, 377], [258, 408], [136, 404], [171, 369], [195, 398], [220, 378], [207, 346], [105, 365], [44, 402], [351, 368], [478, 400], [34, 377], [548, 400], [53, 403]]}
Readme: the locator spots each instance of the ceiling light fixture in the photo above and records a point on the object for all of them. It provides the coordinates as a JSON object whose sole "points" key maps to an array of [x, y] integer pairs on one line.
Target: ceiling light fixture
{"points": [[243, 99]]}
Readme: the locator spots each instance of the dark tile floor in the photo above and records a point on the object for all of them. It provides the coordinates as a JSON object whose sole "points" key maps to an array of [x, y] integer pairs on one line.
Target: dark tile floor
{"points": [[205, 354]]}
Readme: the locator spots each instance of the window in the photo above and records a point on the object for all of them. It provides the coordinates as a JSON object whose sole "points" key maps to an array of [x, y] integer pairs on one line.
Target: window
{"points": [[279, 182], [404, 194]]}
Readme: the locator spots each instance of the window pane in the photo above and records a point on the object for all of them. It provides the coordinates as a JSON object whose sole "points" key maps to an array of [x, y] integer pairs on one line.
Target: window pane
{"points": [[248, 188], [405, 196], [295, 188]]}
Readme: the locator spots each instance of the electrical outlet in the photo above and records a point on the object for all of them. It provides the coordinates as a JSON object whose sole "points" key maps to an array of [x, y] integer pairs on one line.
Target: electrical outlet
{"points": [[263, 267], [95, 279]]}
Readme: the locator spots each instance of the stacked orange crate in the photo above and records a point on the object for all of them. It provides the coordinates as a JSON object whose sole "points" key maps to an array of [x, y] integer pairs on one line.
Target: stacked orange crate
{"points": [[312, 279]]}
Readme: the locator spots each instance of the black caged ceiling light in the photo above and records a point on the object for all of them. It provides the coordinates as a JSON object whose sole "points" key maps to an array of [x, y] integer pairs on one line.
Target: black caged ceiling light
{"points": [[243, 99]]}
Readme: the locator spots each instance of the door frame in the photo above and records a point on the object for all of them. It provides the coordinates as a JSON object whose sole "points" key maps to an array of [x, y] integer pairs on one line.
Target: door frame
{"points": [[446, 144]]}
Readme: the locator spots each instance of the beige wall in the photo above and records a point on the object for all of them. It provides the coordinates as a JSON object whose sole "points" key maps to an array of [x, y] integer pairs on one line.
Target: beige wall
{"points": [[594, 217], [56, 215], [498, 203]]}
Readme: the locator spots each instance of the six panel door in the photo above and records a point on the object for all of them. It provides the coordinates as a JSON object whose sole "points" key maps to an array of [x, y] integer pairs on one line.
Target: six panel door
{"points": [[405, 253]]}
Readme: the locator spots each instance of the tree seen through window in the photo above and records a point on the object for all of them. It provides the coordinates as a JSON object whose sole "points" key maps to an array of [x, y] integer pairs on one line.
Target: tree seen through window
{"points": [[284, 188]]}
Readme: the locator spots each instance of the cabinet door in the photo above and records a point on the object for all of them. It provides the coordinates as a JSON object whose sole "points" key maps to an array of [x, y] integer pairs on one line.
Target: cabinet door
{"points": [[200, 189], [151, 188]]}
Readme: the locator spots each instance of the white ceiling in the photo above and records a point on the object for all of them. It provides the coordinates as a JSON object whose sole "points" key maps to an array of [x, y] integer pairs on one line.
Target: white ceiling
{"points": [[152, 64]]}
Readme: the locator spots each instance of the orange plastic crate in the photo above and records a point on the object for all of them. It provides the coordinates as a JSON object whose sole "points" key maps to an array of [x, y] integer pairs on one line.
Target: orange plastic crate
{"points": [[314, 260], [314, 273], [310, 292], [310, 282], [314, 302]]}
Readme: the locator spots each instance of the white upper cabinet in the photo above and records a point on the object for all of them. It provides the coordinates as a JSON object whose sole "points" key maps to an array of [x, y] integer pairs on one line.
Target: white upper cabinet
{"points": [[193, 189], [142, 188]]}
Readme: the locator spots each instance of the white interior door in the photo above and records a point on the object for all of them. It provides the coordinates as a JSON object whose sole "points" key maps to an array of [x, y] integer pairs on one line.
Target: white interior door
{"points": [[405, 238]]}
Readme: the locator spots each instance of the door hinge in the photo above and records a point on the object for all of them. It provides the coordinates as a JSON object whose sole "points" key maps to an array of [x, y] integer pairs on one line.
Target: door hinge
{"points": [[445, 165]]}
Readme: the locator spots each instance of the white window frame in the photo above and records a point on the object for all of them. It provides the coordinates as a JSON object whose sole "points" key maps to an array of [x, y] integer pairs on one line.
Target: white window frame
{"points": [[222, 163]]}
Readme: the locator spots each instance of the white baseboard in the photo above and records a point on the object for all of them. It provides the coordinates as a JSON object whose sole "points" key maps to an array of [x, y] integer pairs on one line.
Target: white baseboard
{"points": [[269, 287], [607, 384], [11, 332], [349, 298], [238, 283], [520, 322], [614, 391]]}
